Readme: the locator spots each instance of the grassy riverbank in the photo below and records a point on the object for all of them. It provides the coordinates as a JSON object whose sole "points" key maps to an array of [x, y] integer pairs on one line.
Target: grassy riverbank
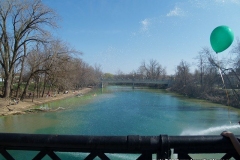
{"points": [[25, 106]]}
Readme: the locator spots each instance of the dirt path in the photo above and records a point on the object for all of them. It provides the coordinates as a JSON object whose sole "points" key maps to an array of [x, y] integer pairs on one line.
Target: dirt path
{"points": [[22, 106]]}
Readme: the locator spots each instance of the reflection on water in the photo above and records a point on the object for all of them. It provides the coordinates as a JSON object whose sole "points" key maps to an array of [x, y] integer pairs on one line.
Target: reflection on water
{"points": [[123, 111]]}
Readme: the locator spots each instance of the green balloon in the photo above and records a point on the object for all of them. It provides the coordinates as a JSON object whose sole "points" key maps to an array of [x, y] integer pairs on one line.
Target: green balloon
{"points": [[221, 38]]}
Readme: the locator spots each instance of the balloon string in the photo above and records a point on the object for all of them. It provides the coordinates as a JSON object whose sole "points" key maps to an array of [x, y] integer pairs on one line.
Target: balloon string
{"points": [[220, 71]]}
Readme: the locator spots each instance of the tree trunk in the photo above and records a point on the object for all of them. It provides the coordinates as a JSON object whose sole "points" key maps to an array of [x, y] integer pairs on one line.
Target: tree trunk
{"points": [[7, 85], [21, 72], [11, 86], [34, 91], [37, 87], [44, 84], [25, 89]]}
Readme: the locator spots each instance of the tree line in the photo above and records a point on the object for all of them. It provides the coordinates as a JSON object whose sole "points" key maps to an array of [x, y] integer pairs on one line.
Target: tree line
{"points": [[151, 70], [31, 57], [214, 79]]}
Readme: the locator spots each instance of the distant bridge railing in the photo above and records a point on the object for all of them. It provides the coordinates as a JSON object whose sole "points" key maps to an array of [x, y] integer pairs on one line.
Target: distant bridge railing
{"points": [[136, 81], [97, 146]]}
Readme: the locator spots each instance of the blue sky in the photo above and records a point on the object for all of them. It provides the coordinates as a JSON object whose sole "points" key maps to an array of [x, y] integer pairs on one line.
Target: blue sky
{"points": [[120, 34]]}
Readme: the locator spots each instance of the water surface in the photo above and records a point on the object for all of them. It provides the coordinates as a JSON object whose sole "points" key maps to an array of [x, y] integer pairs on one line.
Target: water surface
{"points": [[124, 111]]}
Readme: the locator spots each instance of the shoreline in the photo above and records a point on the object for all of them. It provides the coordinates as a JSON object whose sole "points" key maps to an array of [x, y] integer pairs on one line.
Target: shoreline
{"points": [[27, 106], [220, 99]]}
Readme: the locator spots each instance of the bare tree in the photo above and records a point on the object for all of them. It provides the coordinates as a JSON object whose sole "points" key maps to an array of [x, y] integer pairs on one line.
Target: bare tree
{"points": [[86, 74], [54, 65], [153, 70], [236, 51], [202, 60], [35, 66], [21, 22], [22, 61], [119, 74], [183, 73]]}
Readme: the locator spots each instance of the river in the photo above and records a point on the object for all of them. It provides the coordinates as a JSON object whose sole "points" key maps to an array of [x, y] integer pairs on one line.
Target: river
{"points": [[125, 111]]}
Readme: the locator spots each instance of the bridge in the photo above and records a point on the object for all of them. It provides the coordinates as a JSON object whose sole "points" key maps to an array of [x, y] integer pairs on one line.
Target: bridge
{"points": [[144, 147], [136, 81]]}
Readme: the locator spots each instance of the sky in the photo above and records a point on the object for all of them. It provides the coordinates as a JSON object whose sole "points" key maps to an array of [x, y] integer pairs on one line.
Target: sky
{"points": [[119, 35]]}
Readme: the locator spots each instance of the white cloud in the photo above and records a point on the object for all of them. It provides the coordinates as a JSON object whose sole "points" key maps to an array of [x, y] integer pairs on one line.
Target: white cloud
{"points": [[176, 12], [145, 25]]}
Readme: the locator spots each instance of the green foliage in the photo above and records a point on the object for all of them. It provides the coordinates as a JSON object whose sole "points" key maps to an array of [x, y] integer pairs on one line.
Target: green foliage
{"points": [[108, 76]]}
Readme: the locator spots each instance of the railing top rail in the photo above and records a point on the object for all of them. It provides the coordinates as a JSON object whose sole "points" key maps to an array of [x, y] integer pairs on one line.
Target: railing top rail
{"points": [[116, 144]]}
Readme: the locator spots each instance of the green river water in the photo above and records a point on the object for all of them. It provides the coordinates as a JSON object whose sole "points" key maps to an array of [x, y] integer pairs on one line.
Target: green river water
{"points": [[123, 111]]}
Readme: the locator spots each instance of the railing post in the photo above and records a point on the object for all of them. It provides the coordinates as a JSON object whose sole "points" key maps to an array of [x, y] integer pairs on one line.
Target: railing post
{"points": [[165, 152]]}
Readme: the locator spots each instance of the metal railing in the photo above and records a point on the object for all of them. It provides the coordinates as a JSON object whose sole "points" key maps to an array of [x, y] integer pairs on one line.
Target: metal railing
{"points": [[98, 146], [146, 81]]}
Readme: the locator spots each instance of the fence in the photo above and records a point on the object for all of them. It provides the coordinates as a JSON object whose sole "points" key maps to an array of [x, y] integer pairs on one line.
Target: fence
{"points": [[97, 146]]}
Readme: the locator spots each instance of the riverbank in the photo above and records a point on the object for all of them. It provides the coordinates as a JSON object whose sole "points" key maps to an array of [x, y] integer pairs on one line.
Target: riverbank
{"points": [[214, 95], [26, 106]]}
